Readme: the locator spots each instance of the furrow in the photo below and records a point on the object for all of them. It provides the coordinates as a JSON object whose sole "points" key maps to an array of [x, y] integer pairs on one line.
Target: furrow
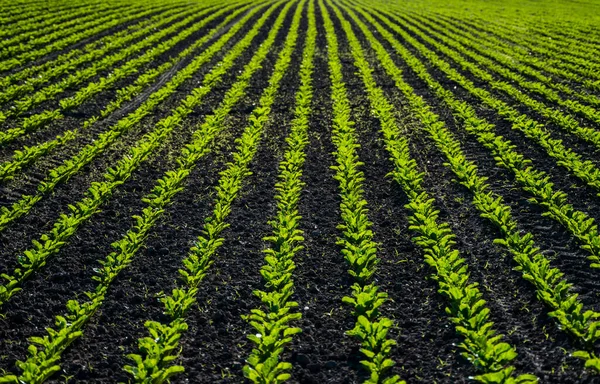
{"points": [[50, 243]]}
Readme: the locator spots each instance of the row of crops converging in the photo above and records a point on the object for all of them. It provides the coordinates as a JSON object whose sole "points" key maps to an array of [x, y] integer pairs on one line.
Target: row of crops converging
{"points": [[308, 191]]}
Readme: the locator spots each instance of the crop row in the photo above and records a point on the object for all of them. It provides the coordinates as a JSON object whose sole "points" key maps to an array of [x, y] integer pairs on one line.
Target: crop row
{"points": [[22, 13], [109, 43], [89, 20], [73, 165], [34, 29], [551, 288], [50, 92], [66, 226], [588, 77], [565, 121], [46, 68], [37, 120], [158, 350], [467, 309], [272, 319], [551, 96], [571, 54], [382, 42], [41, 364], [26, 156], [506, 55], [358, 248], [535, 182], [523, 55], [84, 31]]}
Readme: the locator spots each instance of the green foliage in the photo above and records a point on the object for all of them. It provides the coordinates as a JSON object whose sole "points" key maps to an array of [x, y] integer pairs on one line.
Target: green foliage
{"points": [[549, 283], [272, 323], [154, 367], [21, 54], [37, 75], [36, 121], [591, 361], [467, 310], [358, 248], [157, 352], [67, 224], [535, 182]]}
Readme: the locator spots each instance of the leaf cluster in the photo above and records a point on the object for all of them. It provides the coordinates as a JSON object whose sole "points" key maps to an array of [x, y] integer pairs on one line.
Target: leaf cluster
{"points": [[551, 287], [358, 248], [467, 309]]}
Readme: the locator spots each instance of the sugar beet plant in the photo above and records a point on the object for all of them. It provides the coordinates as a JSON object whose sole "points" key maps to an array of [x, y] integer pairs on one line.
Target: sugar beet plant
{"points": [[157, 48], [91, 92], [566, 157], [97, 49], [535, 182], [160, 349], [73, 165], [44, 359], [271, 321], [358, 247], [467, 310], [26, 156], [99, 192], [550, 285]]}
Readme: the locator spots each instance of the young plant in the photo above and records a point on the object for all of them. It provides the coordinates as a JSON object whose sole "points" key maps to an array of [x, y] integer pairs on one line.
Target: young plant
{"points": [[67, 225], [153, 363], [271, 321], [467, 309], [356, 242], [551, 288]]}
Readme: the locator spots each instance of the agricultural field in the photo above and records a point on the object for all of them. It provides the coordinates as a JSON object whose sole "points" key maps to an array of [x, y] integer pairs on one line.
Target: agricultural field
{"points": [[303, 191]]}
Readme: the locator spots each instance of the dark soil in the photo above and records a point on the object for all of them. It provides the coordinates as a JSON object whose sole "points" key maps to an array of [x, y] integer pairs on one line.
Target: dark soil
{"points": [[581, 196], [518, 302], [215, 347], [79, 44], [74, 118], [72, 268], [322, 353], [174, 12], [31, 224]]}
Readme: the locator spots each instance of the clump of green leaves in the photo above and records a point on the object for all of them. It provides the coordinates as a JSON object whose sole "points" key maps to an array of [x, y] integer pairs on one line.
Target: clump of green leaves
{"points": [[467, 309], [358, 247]]}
